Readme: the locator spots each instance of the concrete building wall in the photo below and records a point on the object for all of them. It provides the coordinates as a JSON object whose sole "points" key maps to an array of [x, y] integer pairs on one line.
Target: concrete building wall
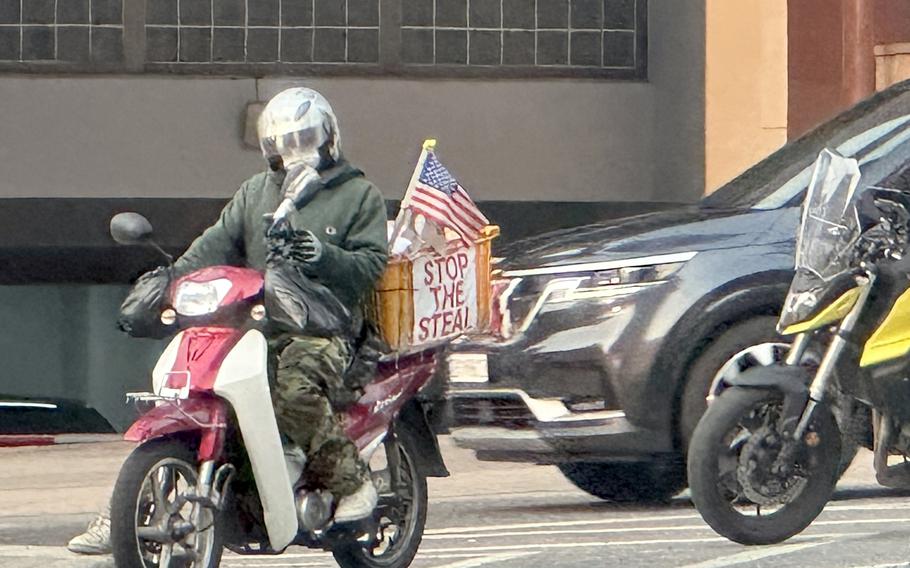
{"points": [[588, 142], [677, 73], [123, 136], [164, 137], [530, 139]]}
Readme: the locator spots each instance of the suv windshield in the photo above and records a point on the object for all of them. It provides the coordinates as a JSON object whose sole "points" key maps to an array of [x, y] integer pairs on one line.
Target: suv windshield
{"points": [[781, 178]]}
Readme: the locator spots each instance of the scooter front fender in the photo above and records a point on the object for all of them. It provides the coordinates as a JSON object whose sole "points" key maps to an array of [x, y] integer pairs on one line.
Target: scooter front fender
{"points": [[203, 415]]}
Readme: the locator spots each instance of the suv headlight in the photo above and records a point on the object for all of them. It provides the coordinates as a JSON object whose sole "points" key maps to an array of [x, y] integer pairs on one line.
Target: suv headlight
{"points": [[609, 280], [613, 282], [200, 298]]}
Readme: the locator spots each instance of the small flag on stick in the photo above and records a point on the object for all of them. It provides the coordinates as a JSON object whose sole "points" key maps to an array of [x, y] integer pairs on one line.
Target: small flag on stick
{"points": [[437, 195]]}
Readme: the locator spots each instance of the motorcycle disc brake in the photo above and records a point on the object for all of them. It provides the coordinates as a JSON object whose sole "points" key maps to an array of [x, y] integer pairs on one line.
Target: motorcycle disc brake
{"points": [[759, 484]]}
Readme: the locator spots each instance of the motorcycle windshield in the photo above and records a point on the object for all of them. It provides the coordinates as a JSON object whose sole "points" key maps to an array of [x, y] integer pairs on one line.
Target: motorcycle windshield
{"points": [[826, 243]]}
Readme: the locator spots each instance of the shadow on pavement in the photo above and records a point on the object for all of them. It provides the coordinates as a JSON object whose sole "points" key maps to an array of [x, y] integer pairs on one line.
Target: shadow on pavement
{"points": [[682, 502], [868, 493]]}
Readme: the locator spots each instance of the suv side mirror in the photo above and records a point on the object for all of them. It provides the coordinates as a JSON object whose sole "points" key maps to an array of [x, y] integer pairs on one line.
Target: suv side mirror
{"points": [[130, 229]]}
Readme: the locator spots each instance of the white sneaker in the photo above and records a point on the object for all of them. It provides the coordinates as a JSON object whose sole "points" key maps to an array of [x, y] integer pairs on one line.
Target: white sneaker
{"points": [[359, 505], [96, 539]]}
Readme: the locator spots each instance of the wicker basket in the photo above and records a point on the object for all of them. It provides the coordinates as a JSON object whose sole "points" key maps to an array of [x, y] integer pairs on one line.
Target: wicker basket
{"points": [[395, 295]]}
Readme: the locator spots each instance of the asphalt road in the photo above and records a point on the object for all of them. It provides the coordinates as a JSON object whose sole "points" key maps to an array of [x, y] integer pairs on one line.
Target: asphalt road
{"points": [[498, 515]]}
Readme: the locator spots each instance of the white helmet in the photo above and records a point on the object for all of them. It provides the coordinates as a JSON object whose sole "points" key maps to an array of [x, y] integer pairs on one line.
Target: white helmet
{"points": [[299, 126]]}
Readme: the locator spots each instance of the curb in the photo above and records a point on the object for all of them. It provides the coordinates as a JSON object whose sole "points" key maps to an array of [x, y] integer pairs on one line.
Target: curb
{"points": [[26, 440]]}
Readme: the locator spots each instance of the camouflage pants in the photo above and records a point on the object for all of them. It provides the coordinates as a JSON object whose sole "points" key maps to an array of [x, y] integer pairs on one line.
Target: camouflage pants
{"points": [[310, 371]]}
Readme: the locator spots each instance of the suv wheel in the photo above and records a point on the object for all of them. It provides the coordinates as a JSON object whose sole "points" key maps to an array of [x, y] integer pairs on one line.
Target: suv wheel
{"points": [[627, 482], [748, 344], [745, 345]]}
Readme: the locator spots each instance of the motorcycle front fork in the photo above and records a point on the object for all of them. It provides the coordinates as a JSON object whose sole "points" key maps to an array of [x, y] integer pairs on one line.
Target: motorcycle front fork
{"points": [[209, 493], [819, 385]]}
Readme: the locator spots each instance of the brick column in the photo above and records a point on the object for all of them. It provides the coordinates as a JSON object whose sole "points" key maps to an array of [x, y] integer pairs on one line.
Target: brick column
{"points": [[858, 79]]}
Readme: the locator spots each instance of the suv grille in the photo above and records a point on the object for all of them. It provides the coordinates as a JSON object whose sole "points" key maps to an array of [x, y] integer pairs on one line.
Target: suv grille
{"points": [[505, 412]]}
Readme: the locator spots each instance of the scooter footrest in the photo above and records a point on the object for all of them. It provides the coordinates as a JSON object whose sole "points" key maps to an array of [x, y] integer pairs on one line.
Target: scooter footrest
{"points": [[253, 549]]}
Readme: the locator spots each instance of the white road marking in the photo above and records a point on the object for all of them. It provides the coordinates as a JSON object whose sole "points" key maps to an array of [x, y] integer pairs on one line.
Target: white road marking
{"points": [[471, 560], [570, 545], [643, 519], [754, 555], [861, 521], [899, 505], [621, 530], [327, 556], [474, 563], [421, 556], [311, 555], [571, 531], [281, 564], [456, 530], [268, 561], [565, 497]]}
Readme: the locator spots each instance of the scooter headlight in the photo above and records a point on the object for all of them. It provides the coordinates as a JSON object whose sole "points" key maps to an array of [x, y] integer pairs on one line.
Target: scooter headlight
{"points": [[200, 298]]}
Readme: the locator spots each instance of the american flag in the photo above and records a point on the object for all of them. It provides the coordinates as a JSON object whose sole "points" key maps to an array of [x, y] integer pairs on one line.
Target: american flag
{"points": [[438, 196]]}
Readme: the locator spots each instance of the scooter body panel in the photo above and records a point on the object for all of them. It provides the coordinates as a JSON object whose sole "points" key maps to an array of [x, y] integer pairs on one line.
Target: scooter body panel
{"points": [[243, 381], [396, 384]]}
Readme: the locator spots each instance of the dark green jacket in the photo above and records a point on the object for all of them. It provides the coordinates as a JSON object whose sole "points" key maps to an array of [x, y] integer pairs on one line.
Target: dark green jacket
{"points": [[348, 216]]}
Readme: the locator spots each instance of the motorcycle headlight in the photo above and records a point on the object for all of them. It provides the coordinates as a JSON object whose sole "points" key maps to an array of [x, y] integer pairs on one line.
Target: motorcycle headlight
{"points": [[200, 298]]}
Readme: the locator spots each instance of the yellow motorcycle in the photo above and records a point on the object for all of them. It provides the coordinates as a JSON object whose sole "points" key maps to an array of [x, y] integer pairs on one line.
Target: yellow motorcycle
{"points": [[763, 460]]}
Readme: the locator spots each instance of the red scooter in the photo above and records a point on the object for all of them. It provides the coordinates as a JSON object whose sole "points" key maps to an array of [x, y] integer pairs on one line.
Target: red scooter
{"points": [[210, 472]]}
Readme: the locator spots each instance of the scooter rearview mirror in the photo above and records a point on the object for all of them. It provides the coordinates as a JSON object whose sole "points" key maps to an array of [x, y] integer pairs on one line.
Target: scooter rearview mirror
{"points": [[130, 229], [134, 229]]}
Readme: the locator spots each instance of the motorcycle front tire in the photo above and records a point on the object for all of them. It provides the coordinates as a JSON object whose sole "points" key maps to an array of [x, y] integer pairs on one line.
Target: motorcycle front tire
{"points": [[714, 503], [128, 493]]}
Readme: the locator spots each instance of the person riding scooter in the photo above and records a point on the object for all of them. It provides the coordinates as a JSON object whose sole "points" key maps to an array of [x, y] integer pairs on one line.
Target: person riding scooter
{"points": [[338, 239]]}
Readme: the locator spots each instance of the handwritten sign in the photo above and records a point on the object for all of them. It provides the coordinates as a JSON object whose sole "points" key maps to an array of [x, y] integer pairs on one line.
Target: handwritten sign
{"points": [[445, 295]]}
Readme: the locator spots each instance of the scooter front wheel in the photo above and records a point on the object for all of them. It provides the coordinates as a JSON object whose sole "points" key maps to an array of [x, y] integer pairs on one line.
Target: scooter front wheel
{"points": [[151, 524], [402, 512], [741, 482]]}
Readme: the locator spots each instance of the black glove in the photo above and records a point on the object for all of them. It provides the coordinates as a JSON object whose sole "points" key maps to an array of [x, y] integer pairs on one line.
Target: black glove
{"points": [[286, 244], [140, 313]]}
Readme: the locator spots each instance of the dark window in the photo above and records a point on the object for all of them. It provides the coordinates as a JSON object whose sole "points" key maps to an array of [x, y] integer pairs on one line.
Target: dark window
{"points": [[274, 32], [605, 38], [65, 32], [473, 38]]}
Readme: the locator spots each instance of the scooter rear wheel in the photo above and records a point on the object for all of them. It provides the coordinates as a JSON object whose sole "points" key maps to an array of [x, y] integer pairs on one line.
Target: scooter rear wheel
{"points": [[400, 516], [145, 502]]}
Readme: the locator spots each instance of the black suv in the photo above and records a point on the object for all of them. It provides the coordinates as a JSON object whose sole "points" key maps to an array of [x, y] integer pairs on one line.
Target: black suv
{"points": [[612, 334]]}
